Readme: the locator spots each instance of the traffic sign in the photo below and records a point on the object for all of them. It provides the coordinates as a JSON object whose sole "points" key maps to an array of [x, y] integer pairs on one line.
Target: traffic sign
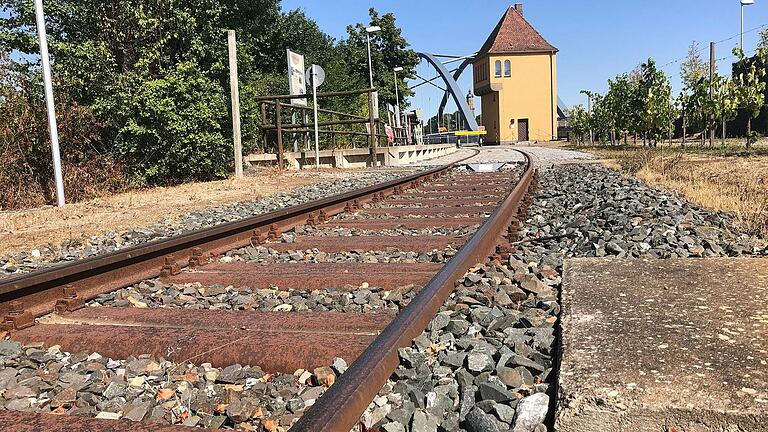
{"points": [[315, 72]]}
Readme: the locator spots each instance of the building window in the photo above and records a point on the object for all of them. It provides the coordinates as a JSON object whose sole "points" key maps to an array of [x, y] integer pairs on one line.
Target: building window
{"points": [[497, 70], [507, 68]]}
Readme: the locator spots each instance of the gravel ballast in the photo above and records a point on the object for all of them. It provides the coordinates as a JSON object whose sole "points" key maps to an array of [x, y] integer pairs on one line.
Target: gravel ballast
{"points": [[155, 294], [46, 380], [49, 255], [486, 362]]}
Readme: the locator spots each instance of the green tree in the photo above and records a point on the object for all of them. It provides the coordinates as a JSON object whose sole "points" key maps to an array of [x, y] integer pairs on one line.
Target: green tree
{"points": [[389, 49], [657, 110], [578, 122], [749, 89], [692, 71], [621, 94]]}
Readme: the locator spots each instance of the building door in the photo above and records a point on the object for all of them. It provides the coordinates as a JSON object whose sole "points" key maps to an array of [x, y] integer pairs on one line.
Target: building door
{"points": [[522, 130]]}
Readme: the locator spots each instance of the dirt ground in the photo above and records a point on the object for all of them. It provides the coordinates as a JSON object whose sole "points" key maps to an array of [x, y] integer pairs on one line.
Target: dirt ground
{"points": [[25, 229]]}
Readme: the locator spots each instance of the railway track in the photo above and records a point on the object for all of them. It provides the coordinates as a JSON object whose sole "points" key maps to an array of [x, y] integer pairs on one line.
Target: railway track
{"points": [[432, 226]]}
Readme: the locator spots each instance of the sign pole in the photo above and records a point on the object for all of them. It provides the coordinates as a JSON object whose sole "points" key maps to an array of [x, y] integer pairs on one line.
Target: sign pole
{"points": [[235, 93], [60, 201], [314, 108]]}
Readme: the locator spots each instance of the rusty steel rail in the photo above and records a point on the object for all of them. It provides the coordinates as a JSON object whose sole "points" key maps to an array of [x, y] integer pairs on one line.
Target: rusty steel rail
{"points": [[67, 287], [340, 408]]}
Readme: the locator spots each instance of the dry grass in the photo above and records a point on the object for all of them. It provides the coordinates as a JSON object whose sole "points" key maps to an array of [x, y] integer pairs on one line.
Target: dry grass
{"points": [[25, 229], [734, 184]]}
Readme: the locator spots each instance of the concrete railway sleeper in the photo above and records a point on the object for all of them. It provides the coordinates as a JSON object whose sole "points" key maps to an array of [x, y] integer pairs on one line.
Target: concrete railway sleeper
{"points": [[251, 324]]}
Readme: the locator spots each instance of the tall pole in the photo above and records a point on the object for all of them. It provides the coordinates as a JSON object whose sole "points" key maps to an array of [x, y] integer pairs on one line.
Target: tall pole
{"points": [[235, 95], [314, 108], [711, 78], [742, 28], [397, 100], [53, 128], [370, 62], [589, 111]]}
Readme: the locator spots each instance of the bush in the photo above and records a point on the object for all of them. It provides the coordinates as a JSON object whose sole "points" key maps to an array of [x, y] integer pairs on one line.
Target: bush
{"points": [[169, 128], [26, 171]]}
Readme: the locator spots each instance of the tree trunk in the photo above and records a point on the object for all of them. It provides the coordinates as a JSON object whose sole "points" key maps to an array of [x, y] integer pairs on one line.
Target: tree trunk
{"points": [[749, 132], [685, 126], [723, 142]]}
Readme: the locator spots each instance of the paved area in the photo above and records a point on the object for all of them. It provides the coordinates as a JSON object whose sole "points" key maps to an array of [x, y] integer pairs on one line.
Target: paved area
{"points": [[545, 156], [664, 345]]}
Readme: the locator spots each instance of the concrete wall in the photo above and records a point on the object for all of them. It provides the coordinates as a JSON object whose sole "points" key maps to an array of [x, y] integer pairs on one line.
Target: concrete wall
{"points": [[356, 158], [529, 93]]}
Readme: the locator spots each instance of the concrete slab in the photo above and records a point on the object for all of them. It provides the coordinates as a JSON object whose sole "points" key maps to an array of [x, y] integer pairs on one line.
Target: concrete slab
{"points": [[664, 345]]}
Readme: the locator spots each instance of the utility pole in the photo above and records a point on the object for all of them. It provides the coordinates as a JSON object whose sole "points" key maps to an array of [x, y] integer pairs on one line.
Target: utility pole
{"points": [[711, 79], [744, 3], [235, 94], [54, 130]]}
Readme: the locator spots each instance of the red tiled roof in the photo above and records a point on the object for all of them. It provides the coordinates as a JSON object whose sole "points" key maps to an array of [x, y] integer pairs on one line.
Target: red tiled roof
{"points": [[513, 34]]}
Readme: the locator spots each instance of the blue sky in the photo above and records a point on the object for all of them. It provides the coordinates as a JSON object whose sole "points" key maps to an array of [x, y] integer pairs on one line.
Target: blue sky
{"points": [[597, 39]]}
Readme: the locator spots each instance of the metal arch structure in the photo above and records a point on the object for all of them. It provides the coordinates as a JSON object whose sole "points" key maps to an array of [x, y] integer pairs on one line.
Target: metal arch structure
{"points": [[453, 88], [456, 74]]}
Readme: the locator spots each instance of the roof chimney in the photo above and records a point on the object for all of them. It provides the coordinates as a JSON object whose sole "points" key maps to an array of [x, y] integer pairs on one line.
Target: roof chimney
{"points": [[519, 8]]}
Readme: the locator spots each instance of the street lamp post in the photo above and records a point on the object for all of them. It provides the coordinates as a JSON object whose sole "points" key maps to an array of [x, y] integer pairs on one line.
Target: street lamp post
{"points": [[368, 31], [744, 3], [397, 94]]}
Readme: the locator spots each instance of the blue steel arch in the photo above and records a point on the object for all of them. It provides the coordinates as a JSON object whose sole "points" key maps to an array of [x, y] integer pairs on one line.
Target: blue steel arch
{"points": [[453, 87]]}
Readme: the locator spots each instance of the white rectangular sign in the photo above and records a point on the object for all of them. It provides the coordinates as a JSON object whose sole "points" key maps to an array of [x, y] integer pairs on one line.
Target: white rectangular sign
{"points": [[297, 84], [375, 103]]}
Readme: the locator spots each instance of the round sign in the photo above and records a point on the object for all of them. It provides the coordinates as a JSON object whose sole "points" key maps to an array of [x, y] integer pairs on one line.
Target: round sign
{"points": [[315, 75]]}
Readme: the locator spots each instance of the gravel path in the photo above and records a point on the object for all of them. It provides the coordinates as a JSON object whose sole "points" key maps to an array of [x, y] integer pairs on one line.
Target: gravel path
{"points": [[545, 156]]}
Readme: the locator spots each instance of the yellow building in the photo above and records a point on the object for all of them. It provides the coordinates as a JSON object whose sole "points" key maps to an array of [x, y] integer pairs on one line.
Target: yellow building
{"points": [[515, 74]]}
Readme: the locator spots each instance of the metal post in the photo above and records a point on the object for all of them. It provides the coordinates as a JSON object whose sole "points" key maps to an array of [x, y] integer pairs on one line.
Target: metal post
{"points": [[279, 127], [235, 93], [314, 109], [397, 100], [294, 136], [742, 28], [370, 62], [589, 111], [53, 128], [711, 78], [372, 130]]}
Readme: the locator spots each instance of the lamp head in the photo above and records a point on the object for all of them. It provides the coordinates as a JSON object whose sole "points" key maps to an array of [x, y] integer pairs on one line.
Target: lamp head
{"points": [[747, 2], [374, 29], [398, 69]]}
